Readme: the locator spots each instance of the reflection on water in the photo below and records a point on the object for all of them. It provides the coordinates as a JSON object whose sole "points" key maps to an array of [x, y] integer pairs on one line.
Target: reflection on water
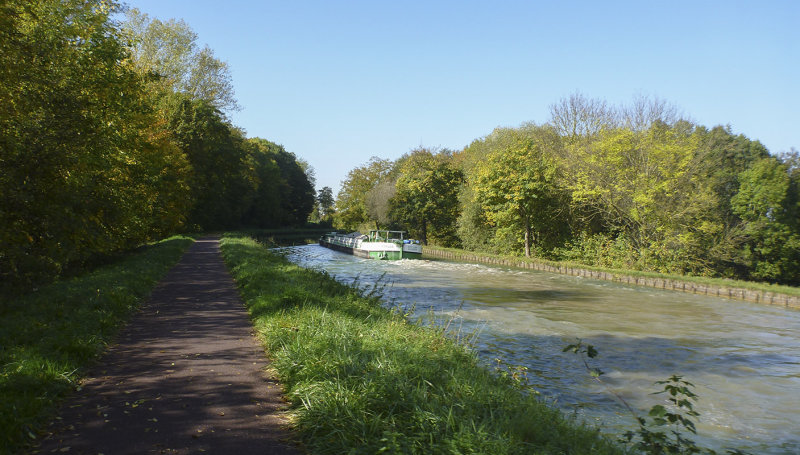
{"points": [[743, 358]]}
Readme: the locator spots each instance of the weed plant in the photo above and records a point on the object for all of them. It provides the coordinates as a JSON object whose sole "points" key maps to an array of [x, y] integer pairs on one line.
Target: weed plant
{"points": [[48, 337], [664, 430], [363, 379]]}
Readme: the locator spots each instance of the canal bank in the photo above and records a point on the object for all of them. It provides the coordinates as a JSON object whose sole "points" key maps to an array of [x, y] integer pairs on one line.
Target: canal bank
{"points": [[729, 292], [744, 358], [361, 378]]}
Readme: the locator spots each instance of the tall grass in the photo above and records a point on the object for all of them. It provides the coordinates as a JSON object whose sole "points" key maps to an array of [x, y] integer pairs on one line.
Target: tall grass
{"points": [[362, 379], [49, 337]]}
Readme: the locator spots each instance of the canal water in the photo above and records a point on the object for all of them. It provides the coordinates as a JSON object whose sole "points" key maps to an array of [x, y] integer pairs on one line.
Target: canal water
{"points": [[743, 358]]}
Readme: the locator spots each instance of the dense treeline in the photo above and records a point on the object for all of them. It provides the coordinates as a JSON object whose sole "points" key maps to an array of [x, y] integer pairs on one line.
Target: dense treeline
{"points": [[635, 187], [114, 133]]}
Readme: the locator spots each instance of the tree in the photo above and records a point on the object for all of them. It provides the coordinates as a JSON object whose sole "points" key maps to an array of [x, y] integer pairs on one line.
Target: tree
{"points": [[351, 208], [285, 196], [298, 201], [642, 185], [378, 203], [426, 199], [325, 202], [168, 53], [517, 184], [86, 168], [223, 180], [210, 80], [645, 111], [266, 210], [721, 157], [577, 116], [475, 231], [766, 201]]}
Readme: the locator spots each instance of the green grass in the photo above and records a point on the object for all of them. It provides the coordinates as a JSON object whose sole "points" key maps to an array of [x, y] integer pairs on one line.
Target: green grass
{"points": [[723, 282], [287, 236], [49, 337], [362, 379]]}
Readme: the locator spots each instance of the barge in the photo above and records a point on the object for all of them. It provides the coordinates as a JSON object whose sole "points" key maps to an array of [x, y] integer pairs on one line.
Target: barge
{"points": [[378, 244]]}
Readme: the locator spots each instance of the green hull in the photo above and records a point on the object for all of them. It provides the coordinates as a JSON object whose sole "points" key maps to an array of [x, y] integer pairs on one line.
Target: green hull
{"points": [[394, 255], [392, 250]]}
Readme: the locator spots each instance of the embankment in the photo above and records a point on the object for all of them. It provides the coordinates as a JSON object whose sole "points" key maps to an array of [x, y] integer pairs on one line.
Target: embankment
{"points": [[731, 292], [363, 379]]}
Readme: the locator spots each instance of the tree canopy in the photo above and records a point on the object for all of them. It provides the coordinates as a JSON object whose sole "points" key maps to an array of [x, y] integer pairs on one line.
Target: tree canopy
{"points": [[517, 183], [425, 201], [167, 53], [113, 135], [351, 208], [635, 186]]}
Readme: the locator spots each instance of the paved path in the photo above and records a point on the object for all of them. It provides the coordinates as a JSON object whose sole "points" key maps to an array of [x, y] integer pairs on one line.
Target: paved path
{"points": [[186, 377]]}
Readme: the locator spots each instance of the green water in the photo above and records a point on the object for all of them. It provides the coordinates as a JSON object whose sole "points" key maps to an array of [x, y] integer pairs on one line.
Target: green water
{"points": [[744, 358]]}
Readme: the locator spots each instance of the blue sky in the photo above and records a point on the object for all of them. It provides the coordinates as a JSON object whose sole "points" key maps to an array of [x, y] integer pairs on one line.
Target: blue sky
{"points": [[337, 82]]}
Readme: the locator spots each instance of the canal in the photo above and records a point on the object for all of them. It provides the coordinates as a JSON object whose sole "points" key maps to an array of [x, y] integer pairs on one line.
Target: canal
{"points": [[744, 358]]}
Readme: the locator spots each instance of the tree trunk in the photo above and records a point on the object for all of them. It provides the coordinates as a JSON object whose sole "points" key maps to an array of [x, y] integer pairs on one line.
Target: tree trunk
{"points": [[527, 239], [424, 233]]}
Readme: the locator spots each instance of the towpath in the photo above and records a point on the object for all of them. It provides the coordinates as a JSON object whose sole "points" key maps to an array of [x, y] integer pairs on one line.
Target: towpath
{"points": [[187, 376]]}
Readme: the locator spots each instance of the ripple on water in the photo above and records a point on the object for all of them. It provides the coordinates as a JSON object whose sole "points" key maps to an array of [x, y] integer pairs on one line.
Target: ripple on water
{"points": [[744, 358]]}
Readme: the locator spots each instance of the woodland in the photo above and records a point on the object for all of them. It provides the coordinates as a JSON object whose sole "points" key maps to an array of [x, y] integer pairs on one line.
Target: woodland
{"points": [[114, 132], [634, 187]]}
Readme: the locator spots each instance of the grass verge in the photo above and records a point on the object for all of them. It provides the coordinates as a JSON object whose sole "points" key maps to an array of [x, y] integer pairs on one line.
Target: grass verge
{"points": [[722, 282], [362, 379], [49, 337], [287, 236]]}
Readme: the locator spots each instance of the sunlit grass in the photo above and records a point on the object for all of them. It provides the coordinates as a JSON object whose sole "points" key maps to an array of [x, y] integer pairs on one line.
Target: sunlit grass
{"points": [[362, 379], [48, 337]]}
